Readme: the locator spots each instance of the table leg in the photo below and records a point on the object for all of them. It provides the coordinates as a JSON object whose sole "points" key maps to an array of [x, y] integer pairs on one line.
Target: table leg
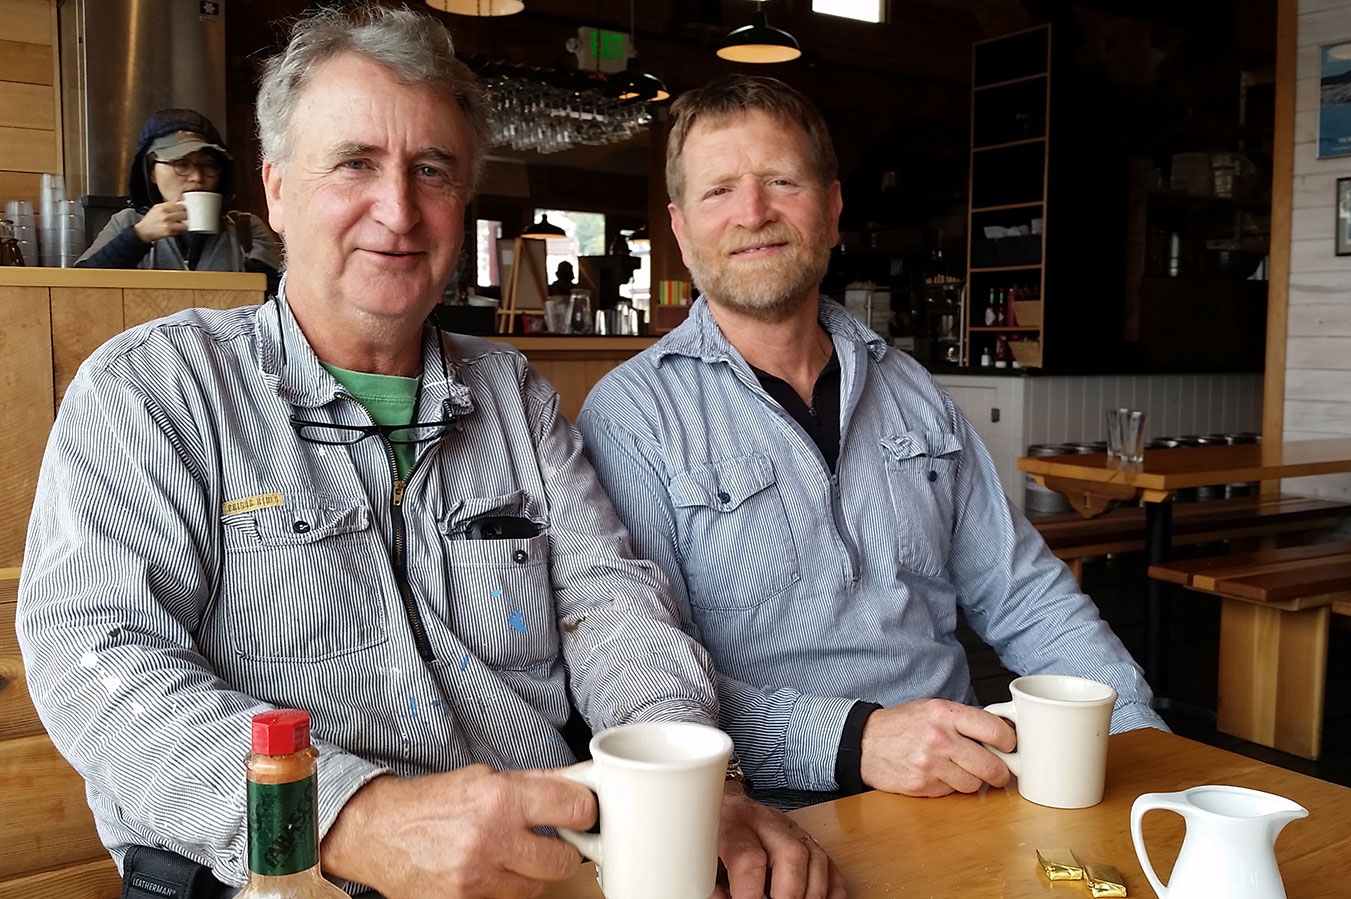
{"points": [[1158, 547]]}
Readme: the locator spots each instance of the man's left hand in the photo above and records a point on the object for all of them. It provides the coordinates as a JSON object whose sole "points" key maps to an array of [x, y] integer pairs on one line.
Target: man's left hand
{"points": [[767, 854]]}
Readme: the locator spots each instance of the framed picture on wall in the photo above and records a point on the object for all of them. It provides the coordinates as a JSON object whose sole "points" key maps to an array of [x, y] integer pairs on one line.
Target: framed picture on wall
{"points": [[1334, 100], [1343, 217]]}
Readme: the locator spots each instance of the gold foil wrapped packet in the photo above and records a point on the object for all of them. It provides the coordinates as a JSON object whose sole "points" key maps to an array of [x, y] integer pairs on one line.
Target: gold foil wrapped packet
{"points": [[1060, 864], [1104, 880]]}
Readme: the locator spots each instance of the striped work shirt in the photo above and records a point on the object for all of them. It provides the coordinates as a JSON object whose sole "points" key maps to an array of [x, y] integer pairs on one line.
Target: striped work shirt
{"points": [[190, 561], [813, 590]]}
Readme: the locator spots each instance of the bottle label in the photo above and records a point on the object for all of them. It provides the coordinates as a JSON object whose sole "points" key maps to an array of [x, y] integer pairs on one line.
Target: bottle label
{"points": [[283, 827]]}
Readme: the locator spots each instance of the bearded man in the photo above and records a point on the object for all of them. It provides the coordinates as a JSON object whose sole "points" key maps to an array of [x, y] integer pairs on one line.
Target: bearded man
{"points": [[821, 506]]}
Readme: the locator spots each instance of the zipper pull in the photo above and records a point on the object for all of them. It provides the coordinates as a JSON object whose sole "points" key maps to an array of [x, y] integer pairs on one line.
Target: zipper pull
{"points": [[399, 484]]}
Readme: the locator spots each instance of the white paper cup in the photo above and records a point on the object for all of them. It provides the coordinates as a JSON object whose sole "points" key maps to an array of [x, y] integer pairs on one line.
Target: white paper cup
{"points": [[203, 211]]}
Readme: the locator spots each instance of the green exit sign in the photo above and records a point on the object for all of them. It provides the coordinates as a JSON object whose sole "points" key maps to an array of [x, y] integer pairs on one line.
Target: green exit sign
{"points": [[599, 50]]}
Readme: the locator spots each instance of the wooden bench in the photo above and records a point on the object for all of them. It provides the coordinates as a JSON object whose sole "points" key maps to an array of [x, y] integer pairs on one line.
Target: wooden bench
{"points": [[1275, 609], [1074, 538], [48, 845]]}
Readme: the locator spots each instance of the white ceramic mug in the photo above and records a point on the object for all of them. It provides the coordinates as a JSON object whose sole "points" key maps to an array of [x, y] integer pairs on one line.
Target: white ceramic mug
{"points": [[1062, 723], [203, 208], [659, 786]]}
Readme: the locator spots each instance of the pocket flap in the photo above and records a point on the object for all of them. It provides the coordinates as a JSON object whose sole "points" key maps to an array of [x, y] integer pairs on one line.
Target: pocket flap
{"points": [[912, 444], [303, 519], [722, 485], [518, 504]]}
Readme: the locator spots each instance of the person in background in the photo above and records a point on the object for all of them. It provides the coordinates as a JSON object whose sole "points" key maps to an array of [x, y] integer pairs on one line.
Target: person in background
{"points": [[563, 280], [823, 509], [179, 151], [326, 503]]}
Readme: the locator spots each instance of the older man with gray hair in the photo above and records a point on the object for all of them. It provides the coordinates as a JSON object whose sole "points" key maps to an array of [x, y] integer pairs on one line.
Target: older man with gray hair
{"points": [[326, 503]]}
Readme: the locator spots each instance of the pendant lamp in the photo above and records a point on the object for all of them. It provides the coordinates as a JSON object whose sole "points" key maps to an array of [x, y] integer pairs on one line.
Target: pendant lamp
{"points": [[478, 7], [759, 42], [544, 229], [633, 83]]}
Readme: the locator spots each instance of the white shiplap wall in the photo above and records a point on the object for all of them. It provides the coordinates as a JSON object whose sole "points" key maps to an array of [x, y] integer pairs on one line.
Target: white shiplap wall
{"points": [[1318, 343], [1069, 409]]}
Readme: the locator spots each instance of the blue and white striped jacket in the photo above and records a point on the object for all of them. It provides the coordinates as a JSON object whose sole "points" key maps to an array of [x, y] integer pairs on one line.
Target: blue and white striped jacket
{"points": [[814, 589], [190, 561]]}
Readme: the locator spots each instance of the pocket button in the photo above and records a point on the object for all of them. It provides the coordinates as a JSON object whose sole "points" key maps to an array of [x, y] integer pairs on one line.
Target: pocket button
{"points": [[933, 476], [301, 527], [520, 557]]}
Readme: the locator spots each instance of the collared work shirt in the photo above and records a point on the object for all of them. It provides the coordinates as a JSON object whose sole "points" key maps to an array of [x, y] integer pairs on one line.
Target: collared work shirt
{"points": [[191, 561], [815, 589]]}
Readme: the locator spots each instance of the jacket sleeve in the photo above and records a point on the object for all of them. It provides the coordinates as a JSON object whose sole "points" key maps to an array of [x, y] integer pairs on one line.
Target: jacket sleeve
{"points": [[628, 660], [784, 738], [117, 245], [117, 580], [1021, 600]]}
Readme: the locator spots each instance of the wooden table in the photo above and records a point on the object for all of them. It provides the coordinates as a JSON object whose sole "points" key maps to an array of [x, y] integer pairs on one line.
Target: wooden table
{"points": [[984, 845], [1092, 482]]}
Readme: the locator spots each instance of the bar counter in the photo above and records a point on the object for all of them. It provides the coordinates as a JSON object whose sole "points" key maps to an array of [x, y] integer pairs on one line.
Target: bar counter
{"points": [[574, 364]]}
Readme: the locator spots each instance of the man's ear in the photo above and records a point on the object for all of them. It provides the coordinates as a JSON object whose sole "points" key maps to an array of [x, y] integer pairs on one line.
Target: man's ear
{"points": [[678, 229], [836, 202], [272, 178]]}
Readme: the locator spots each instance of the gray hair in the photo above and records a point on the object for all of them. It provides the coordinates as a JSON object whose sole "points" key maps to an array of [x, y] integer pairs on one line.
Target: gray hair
{"points": [[416, 48], [729, 96]]}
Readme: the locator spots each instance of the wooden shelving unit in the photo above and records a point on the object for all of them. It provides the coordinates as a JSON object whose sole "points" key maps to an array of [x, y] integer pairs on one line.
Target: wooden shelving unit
{"points": [[1008, 177]]}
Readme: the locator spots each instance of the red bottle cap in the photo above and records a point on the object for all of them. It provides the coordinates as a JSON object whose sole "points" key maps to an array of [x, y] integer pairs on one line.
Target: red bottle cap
{"points": [[281, 731]]}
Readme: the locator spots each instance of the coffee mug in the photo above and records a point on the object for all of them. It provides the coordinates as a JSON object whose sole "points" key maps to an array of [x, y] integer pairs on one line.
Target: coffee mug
{"points": [[1062, 723], [659, 786], [203, 208]]}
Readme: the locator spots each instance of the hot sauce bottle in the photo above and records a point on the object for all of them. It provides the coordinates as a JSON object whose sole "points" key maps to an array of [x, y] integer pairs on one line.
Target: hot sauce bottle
{"points": [[283, 810]]}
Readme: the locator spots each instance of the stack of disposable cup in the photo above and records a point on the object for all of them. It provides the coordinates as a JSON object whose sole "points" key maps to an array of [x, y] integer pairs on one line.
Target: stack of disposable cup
{"points": [[51, 200], [70, 239], [20, 212]]}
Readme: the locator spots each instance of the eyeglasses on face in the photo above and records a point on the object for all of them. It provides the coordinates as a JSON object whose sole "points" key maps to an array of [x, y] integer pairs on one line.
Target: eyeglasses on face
{"points": [[184, 167], [330, 434]]}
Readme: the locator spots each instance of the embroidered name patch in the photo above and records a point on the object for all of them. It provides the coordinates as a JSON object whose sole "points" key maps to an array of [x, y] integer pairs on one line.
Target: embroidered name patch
{"points": [[250, 503]]}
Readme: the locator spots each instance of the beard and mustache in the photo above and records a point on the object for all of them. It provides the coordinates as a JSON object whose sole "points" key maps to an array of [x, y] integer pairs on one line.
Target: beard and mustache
{"points": [[769, 289]]}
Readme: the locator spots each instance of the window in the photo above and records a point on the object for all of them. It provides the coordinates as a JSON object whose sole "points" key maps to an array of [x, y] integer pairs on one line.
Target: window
{"points": [[863, 10], [584, 236], [639, 288], [486, 235]]}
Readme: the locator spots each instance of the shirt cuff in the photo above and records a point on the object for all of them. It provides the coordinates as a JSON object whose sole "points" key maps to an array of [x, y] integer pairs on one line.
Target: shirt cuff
{"points": [[811, 742], [1135, 715], [849, 757]]}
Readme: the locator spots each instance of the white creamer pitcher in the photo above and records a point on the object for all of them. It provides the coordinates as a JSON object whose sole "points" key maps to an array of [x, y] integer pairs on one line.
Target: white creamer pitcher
{"points": [[1230, 845]]}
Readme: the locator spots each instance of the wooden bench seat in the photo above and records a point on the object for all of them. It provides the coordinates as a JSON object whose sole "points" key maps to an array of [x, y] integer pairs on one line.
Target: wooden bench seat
{"points": [[1275, 608], [1074, 538], [48, 845]]}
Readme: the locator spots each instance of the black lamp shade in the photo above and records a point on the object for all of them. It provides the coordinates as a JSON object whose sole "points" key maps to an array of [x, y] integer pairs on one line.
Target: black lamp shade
{"points": [[635, 84], [758, 42], [478, 7], [544, 229]]}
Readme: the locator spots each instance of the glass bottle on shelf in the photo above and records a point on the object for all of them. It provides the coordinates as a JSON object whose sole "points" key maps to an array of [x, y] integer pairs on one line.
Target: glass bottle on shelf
{"points": [[992, 310], [283, 813], [1002, 354]]}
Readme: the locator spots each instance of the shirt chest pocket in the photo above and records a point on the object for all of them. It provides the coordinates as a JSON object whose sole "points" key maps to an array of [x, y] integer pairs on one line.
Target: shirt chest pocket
{"points": [[500, 603], [298, 583], [921, 471], [734, 533]]}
